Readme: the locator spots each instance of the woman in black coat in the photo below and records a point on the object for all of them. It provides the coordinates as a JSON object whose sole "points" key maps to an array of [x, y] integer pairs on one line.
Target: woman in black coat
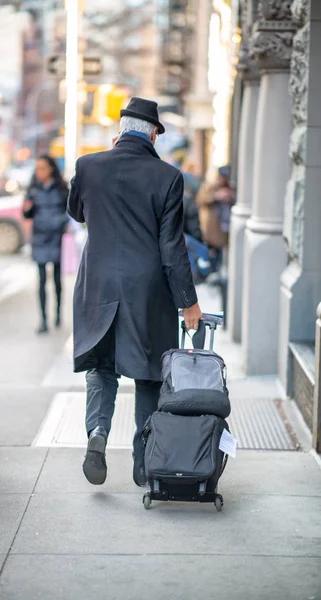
{"points": [[45, 204]]}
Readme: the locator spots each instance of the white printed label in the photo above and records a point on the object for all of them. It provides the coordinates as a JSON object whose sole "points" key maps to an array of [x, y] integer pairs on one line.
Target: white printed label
{"points": [[228, 444]]}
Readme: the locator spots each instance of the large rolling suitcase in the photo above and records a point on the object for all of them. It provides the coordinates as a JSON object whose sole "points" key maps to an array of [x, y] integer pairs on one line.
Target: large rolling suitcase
{"points": [[183, 461]]}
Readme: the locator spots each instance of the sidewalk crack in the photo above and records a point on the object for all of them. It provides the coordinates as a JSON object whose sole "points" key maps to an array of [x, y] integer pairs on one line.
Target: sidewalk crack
{"points": [[24, 512]]}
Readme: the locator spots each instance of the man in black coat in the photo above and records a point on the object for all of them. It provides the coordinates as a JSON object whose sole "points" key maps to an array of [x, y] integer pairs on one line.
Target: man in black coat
{"points": [[134, 275]]}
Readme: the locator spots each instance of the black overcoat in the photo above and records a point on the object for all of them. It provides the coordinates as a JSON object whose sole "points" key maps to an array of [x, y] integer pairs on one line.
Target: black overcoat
{"points": [[49, 214], [134, 271]]}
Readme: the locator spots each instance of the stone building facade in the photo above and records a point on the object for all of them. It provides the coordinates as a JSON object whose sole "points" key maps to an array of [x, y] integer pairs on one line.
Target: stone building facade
{"points": [[275, 267]]}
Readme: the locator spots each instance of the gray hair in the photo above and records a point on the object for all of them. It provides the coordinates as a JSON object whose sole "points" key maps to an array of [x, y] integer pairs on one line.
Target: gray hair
{"points": [[133, 124]]}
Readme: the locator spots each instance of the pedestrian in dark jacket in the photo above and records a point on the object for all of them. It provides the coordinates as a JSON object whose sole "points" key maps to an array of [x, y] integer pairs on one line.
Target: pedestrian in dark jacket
{"points": [[191, 219], [134, 276], [215, 202], [45, 204]]}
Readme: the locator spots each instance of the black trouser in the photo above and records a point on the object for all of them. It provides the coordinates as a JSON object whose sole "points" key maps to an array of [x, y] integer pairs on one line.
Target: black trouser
{"points": [[102, 385], [42, 287]]}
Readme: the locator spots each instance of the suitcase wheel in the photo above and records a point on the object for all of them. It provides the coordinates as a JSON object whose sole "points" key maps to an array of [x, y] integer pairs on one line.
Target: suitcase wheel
{"points": [[219, 502], [147, 501]]}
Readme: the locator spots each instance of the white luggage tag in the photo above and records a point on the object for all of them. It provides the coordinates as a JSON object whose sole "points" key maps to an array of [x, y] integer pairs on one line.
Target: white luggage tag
{"points": [[228, 443]]}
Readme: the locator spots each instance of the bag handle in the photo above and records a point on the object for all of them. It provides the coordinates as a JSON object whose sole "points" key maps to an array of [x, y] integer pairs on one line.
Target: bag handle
{"points": [[198, 339]]}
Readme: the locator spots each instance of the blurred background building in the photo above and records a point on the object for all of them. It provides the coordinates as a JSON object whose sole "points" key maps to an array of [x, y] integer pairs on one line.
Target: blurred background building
{"points": [[176, 51], [199, 106]]}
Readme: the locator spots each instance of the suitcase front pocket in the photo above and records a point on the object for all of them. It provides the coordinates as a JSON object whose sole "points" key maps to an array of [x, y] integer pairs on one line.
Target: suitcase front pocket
{"points": [[196, 372], [181, 446]]}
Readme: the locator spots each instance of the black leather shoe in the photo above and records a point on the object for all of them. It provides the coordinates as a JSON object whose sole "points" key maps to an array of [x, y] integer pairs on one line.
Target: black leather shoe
{"points": [[58, 321], [43, 327], [139, 474], [94, 466]]}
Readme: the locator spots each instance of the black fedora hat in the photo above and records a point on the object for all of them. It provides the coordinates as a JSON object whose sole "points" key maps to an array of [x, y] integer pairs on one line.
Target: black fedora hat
{"points": [[146, 110]]}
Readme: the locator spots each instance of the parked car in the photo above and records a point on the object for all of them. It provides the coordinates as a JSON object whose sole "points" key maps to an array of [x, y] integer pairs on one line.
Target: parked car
{"points": [[14, 230], [8, 187], [21, 174]]}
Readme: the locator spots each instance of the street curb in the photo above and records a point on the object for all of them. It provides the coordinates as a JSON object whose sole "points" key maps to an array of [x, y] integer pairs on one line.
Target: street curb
{"points": [[298, 424], [316, 457]]}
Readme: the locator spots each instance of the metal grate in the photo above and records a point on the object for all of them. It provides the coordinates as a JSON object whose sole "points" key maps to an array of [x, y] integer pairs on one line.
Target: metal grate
{"points": [[256, 423], [64, 425]]}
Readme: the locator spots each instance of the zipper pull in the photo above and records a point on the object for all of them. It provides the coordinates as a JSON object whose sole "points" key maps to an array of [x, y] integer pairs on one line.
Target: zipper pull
{"points": [[194, 355]]}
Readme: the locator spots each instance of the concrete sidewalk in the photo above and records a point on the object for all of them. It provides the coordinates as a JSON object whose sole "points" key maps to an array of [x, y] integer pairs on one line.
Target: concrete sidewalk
{"points": [[62, 539]]}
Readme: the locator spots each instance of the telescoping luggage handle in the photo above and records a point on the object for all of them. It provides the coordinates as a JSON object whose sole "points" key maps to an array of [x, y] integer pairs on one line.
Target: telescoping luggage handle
{"points": [[198, 339]]}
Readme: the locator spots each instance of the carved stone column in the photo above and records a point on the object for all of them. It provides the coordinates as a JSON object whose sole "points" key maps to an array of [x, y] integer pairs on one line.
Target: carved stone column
{"points": [[301, 279], [264, 251], [249, 72]]}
